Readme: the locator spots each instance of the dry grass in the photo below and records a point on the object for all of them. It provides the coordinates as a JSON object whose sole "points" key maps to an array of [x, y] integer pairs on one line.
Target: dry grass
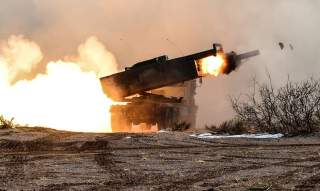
{"points": [[181, 126], [231, 127], [6, 124]]}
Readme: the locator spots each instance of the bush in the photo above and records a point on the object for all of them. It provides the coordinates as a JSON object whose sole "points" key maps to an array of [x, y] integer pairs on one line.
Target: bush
{"points": [[181, 126], [6, 124], [232, 127], [292, 109]]}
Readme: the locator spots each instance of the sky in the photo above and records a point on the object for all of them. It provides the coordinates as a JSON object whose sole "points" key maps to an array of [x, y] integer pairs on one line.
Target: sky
{"points": [[136, 30]]}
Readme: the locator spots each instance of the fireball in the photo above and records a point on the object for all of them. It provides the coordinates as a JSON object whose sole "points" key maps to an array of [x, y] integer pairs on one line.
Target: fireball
{"points": [[211, 65], [68, 96]]}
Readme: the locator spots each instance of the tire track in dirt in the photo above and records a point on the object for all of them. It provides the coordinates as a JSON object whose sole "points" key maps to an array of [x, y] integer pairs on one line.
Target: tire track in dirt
{"points": [[307, 184]]}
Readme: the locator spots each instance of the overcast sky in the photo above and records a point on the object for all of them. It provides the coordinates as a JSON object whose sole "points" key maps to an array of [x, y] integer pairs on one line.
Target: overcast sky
{"points": [[135, 30]]}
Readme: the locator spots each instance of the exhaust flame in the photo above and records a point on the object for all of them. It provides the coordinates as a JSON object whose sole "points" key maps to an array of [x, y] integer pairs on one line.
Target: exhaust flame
{"points": [[211, 65], [67, 97]]}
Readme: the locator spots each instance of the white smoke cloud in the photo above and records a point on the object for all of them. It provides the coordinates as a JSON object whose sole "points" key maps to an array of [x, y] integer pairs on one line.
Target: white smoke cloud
{"points": [[93, 56], [19, 55]]}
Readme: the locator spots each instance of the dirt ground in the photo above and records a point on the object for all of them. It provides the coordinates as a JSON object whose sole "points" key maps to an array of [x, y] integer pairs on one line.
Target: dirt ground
{"points": [[45, 159]]}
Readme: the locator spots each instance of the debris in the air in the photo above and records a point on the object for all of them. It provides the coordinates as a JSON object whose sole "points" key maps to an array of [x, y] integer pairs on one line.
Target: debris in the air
{"points": [[291, 47], [281, 45]]}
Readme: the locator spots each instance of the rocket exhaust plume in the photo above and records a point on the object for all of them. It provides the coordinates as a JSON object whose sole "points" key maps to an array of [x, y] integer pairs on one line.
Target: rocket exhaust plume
{"points": [[222, 63], [211, 65], [68, 96]]}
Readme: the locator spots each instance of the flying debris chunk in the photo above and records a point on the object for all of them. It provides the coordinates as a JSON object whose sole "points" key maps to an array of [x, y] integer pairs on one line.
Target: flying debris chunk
{"points": [[281, 45], [291, 47]]}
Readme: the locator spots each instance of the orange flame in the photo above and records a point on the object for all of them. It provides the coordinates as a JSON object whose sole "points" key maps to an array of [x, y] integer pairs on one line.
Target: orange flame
{"points": [[211, 65], [68, 96]]}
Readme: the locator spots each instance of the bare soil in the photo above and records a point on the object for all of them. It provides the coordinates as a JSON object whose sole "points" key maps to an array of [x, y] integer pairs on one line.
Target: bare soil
{"points": [[46, 159]]}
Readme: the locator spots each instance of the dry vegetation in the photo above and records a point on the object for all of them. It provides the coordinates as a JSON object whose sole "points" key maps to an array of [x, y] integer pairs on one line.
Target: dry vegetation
{"points": [[181, 126], [292, 109], [232, 127], [6, 123]]}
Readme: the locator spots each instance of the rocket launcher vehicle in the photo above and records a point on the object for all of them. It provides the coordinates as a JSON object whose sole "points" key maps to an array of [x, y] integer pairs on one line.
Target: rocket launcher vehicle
{"points": [[161, 93], [160, 72]]}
